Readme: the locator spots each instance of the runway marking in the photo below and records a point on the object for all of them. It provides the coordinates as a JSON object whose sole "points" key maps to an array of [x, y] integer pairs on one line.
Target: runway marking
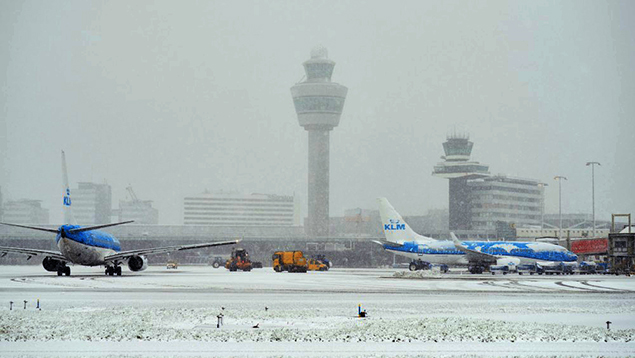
{"points": [[491, 283], [534, 288], [605, 288], [560, 283]]}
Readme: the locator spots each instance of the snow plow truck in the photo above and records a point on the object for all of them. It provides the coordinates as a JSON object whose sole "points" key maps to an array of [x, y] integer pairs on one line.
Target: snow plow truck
{"points": [[292, 261]]}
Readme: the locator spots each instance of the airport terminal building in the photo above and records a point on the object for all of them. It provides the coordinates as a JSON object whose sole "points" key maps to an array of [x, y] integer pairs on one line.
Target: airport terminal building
{"points": [[232, 209]]}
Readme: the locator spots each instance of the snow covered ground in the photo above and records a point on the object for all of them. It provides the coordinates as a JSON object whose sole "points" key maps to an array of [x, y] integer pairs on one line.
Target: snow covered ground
{"points": [[168, 313]]}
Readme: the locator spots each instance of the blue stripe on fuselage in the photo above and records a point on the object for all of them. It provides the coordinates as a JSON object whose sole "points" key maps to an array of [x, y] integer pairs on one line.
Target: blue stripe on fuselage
{"points": [[521, 249], [92, 238]]}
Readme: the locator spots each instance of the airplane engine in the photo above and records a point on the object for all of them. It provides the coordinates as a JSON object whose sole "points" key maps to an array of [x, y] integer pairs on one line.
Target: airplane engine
{"points": [[137, 263], [50, 264], [512, 262]]}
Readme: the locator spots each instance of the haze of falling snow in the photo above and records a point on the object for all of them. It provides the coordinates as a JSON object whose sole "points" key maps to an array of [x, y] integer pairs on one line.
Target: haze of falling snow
{"points": [[175, 98]]}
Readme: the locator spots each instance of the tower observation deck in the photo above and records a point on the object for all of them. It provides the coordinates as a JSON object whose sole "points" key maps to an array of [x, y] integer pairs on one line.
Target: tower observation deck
{"points": [[458, 169], [318, 103]]}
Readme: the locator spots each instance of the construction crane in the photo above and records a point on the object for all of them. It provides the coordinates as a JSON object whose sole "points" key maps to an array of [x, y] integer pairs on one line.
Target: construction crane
{"points": [[133, 195]]}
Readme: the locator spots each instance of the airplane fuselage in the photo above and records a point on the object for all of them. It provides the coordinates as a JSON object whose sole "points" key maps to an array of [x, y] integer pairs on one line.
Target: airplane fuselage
{"points": [[444, 252], [86, 248]]}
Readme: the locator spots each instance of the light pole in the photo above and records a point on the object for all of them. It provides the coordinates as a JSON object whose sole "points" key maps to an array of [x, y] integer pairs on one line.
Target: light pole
{"points": [[559, 179], [542, 206], [593, 164]]}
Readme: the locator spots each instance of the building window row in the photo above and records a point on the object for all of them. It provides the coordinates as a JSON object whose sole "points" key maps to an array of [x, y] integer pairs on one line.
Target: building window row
{"points": [[502, 188], [273, 199], [318, 104], [487, 197], [504, 206]]}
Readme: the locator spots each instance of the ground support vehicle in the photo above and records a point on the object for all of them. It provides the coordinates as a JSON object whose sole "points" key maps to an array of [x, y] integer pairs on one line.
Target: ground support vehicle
{"points": [[324, 260], [316, 265], [172, 265], [587, 268], [504, 269], [419, 265], [569, 269], [554, 269], [529, 269], [217, 261], [292, 261], [239, 260]]}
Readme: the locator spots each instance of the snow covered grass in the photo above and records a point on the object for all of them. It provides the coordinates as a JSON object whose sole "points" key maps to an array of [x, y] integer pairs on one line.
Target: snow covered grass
{"points": [[313, 314], [417, 274], [291, 324]]}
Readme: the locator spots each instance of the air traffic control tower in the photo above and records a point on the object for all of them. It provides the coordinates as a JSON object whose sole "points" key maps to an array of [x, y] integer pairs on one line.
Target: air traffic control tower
{"points": [[458, 168], [318, 103]]}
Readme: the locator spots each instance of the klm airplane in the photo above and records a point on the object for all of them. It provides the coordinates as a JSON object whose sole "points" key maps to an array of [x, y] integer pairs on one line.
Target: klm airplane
{"points": [[90, 247], [402, 240]]}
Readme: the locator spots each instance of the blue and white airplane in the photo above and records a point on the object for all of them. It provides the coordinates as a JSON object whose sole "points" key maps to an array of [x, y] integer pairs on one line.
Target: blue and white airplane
{"points": [[90, 247], [402, 240]]}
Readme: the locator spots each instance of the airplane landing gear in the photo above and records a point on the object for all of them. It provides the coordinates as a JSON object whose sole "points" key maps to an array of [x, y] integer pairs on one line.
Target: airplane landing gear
{"points": [[113, 270], [63, 270], [478, 269]]}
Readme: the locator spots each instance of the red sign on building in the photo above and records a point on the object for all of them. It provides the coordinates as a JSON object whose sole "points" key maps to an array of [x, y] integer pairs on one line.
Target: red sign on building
{"points": [[594, 246]]}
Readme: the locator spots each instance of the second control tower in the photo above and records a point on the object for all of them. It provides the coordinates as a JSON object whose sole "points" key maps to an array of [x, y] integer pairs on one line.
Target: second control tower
{"points": [[458, 168], [318, 103]]}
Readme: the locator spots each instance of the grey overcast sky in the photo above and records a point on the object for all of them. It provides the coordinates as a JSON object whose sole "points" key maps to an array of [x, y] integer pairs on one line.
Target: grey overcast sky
{"points": [[175, 97]]}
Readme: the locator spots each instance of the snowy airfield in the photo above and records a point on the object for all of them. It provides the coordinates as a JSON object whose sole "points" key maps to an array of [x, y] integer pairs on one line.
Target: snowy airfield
{"points": [[167, 313]]}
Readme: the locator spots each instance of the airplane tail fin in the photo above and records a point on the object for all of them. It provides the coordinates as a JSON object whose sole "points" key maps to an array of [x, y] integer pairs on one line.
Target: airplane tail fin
{"points": [[68, 214], [395, 228]]}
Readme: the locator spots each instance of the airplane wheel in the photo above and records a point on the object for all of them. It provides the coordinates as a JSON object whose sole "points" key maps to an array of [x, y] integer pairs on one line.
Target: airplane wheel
{"points": [[67, 271], [59, 272], [412, 266], [118, 270]]}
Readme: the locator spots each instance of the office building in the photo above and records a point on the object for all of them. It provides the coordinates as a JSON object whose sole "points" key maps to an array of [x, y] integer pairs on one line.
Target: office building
{"points": [[502, 199], [230, 209], [141, 211], [92, 203], [25, 212]]}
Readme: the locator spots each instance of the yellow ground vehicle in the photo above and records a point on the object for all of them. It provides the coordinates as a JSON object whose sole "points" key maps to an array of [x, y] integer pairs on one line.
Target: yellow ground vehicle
{"points": [[292, 261], [316, 265], [172, 264], [239, 260]]}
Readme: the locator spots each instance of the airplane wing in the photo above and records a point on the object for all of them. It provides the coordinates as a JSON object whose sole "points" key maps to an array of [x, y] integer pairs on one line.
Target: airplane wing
{"points": [[122, 255], [32, 252], [95, 227], [472, 255]]}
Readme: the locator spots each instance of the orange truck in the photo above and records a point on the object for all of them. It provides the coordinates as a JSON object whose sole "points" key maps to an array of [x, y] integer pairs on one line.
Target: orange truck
{"points": [[292, 261]]}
